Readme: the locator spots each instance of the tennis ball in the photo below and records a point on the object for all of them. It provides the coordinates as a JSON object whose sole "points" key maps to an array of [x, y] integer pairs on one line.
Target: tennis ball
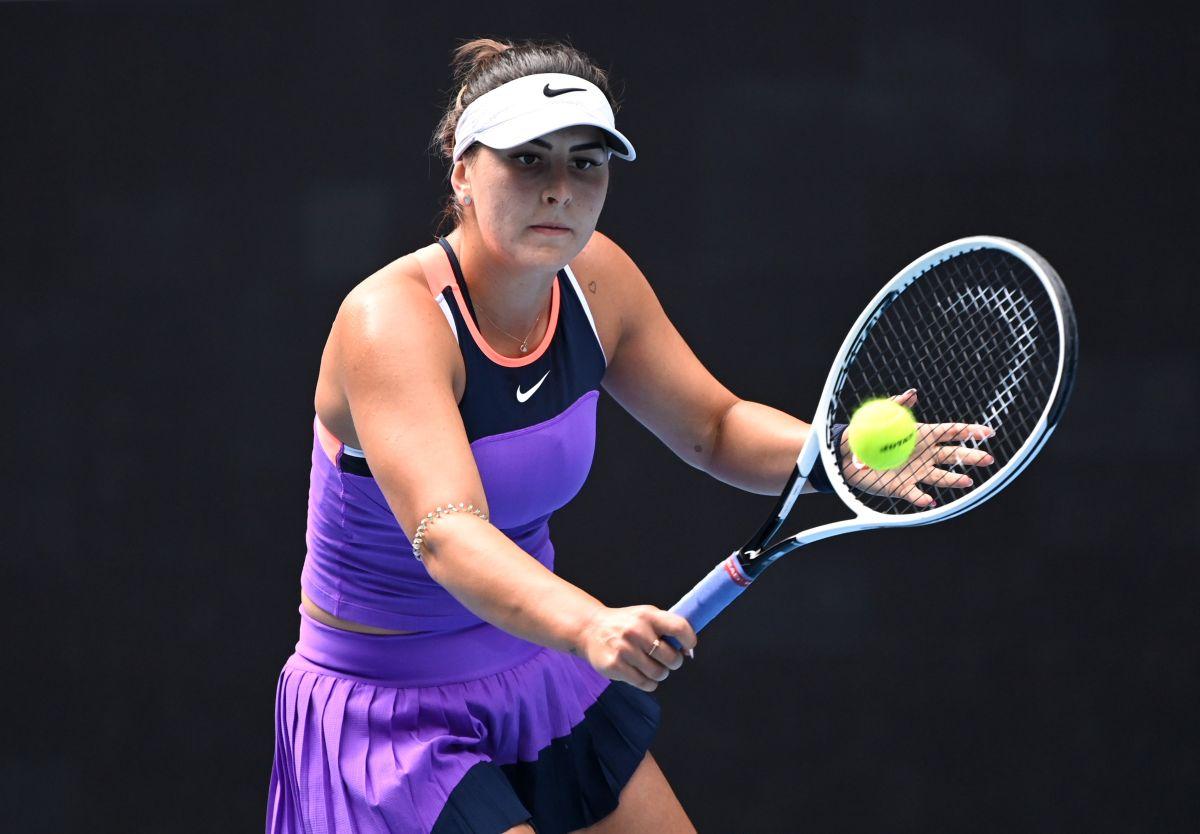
{"points": [[882, 434]]}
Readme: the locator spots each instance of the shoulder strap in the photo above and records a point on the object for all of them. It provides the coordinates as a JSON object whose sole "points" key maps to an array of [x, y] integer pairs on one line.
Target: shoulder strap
{"points": [[436, 267]]}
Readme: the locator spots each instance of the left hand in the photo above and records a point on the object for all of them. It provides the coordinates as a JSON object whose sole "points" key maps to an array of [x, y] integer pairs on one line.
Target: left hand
{"points": [[923, 465]]}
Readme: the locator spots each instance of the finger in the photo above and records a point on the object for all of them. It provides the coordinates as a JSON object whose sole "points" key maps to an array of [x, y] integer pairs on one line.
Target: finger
{"points": [[962, 456], [907, 399], [887, 480], [934, 433], [666, 624], [917, 498], [637, 651], [945, 478], [633, 676], [662, 651], [637, 658]]}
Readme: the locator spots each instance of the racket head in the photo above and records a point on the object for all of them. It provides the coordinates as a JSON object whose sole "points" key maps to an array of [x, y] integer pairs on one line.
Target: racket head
{"points": [[989, 299]]}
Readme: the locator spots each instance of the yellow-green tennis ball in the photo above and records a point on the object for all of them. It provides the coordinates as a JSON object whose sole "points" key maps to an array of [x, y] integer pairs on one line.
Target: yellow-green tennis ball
{"points": [[883, 434]]}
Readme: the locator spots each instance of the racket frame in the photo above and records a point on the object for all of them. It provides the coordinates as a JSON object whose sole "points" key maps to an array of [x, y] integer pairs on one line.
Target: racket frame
{"points": [[735, 573], [1063, 381]]}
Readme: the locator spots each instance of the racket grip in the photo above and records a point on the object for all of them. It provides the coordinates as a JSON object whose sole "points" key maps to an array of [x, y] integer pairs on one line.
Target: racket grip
{"points": [[711, 595]]}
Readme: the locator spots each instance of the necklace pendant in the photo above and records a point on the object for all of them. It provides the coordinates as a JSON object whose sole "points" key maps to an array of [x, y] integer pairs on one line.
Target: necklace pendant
{"points": [[524, 348]]}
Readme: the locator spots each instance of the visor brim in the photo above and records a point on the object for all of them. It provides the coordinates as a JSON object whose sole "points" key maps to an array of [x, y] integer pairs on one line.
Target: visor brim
{"points": [[521, 130]]}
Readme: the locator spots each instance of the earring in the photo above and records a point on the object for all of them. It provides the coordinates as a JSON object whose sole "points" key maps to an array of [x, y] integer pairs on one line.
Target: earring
{"points": [[466, 200]]}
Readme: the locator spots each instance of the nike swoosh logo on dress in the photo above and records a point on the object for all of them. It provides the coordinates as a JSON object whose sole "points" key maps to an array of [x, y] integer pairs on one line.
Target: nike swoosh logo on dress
{"points": [[522, 397]]}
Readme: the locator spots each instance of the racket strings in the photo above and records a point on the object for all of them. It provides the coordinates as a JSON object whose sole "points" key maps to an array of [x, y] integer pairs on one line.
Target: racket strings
{"points": [[977, 336], [960, 376], [1021, 315], [979, 353], [966, 306], [1016, 351], [926, 345]]}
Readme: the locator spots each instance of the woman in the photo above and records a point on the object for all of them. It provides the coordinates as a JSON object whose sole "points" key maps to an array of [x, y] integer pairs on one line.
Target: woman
{"points": [[445, 678]]}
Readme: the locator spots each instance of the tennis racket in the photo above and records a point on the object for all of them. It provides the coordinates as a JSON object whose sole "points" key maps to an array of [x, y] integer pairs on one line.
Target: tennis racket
{"points": [[983, 329]]}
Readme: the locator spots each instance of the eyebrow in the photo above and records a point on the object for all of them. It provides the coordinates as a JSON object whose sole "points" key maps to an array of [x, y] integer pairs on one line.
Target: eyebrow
{"points": [[573, 148]]}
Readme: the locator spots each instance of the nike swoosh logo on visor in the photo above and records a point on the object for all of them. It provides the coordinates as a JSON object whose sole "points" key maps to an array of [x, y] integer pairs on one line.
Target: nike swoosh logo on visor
{"points": [[552, 93], [523, 396]]}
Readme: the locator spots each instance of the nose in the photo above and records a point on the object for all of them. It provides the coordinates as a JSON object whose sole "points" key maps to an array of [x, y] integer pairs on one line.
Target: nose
{"points": [[558, 189]]}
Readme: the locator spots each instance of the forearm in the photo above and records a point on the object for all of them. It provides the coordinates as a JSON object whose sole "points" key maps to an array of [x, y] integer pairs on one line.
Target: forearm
{"points": [[755, 447], [504, 585]]}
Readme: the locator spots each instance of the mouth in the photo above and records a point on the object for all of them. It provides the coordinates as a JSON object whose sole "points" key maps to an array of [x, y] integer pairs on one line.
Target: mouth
{"points": [[553, 227]]}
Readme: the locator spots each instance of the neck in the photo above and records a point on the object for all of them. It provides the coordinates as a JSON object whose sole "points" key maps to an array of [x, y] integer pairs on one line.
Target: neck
{"points": [[511, 293]]}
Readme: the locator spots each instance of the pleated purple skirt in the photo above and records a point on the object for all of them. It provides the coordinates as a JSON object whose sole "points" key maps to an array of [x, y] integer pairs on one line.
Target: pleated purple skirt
{"points": [[466, 731]]}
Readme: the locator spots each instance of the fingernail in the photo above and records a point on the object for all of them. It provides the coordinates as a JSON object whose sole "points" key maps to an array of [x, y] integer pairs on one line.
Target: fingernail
{"points": [[932, 504], [691, 653], [989, 460]]}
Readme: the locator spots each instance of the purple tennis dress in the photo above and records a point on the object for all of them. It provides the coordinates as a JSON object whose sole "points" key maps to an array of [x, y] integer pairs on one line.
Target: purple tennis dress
{"points": [[460, 727]]}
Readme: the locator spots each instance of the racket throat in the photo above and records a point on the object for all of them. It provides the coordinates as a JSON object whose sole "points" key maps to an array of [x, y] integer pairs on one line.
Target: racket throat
{"points": [[754, 562], [805, 462]]}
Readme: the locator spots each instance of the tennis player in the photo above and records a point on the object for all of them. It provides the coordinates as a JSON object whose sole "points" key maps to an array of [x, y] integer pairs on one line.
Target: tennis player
{"points": [[445, 678]]}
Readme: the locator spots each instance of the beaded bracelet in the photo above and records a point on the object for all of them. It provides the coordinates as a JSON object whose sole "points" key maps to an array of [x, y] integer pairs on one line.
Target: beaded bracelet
{"points": [[441, 512]]}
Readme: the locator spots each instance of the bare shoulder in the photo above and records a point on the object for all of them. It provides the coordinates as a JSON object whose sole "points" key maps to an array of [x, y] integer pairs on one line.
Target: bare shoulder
{"points": [[388, 327], [652, 373], [607, 264], [392, 306], [613, 285], [401, 279]]}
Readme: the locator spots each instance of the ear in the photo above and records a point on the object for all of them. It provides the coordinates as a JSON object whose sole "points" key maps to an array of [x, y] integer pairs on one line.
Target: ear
{"points": [[460, 179]]}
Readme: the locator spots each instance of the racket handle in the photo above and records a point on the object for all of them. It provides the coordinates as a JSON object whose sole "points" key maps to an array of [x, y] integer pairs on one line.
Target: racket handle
{"points": [[711, 595]]}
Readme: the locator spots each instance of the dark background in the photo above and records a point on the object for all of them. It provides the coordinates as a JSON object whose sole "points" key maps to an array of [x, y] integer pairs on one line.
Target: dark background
{"points": [[190, 190]]}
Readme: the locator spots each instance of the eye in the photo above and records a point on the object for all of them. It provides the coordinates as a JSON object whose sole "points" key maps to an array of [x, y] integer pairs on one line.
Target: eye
{"points": [[581, 163]]}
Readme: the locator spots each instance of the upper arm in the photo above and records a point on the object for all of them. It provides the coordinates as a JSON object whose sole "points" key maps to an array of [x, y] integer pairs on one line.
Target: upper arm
{"points": [[397, 365], [653, 373]]}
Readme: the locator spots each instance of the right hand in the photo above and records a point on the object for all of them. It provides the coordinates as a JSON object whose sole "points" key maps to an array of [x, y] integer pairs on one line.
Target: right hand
{"points": [[617, 642]]}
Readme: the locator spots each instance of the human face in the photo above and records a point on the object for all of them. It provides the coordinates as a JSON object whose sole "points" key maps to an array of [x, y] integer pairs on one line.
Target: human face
{"points": [[558, 179]]}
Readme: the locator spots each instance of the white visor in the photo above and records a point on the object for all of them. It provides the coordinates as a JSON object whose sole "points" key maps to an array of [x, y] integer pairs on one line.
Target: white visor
{"points": [[533, 106]]}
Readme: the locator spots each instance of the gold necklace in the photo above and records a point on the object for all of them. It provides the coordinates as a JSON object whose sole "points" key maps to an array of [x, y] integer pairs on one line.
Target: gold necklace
{"points": [[523, 342]]}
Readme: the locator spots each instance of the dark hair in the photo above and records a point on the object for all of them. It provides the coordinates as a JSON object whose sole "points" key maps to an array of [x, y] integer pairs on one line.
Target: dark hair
{"points": [[484, 64]]}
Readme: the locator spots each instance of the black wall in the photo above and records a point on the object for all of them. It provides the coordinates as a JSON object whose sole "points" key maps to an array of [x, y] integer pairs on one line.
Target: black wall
{"points": [[189, 190]]}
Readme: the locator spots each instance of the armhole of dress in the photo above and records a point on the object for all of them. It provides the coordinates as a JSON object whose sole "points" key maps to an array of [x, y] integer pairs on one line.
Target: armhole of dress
{"points": [[436, 270], [586, 310], [445, 305], [439, 296]]}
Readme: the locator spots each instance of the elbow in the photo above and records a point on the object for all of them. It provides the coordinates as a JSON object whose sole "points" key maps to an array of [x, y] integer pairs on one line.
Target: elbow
{"points": [[432, 552], [708, 450], [445, 538]]}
